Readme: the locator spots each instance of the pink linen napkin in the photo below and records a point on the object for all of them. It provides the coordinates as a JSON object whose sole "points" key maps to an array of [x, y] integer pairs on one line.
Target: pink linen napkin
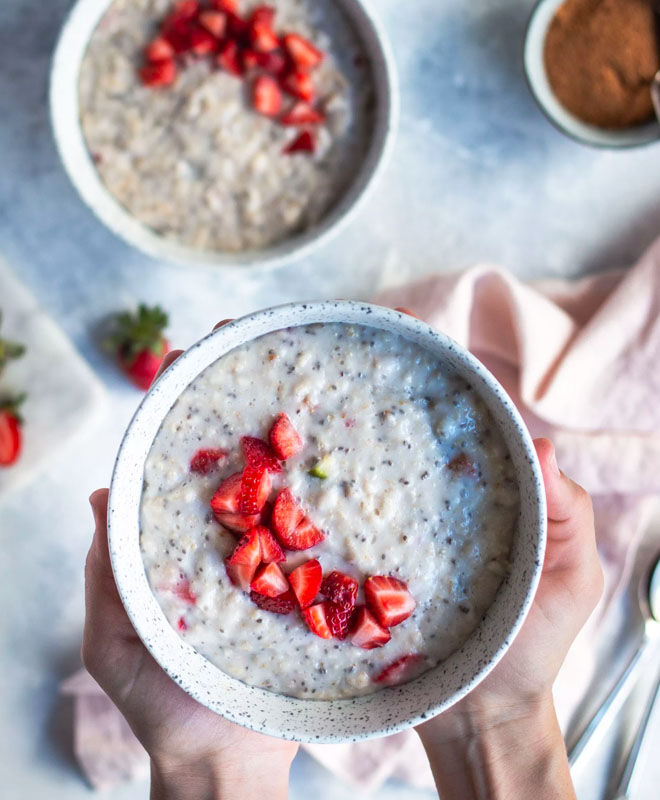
{"points": [[582, 362]]}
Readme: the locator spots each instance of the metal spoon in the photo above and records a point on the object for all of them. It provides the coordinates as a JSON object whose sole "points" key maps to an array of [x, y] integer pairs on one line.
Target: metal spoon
{"points": [[649, 603]]}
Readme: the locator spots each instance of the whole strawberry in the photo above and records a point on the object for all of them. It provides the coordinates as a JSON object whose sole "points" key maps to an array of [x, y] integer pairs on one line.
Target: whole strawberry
{"points": [[11, 437], [139, 343]]}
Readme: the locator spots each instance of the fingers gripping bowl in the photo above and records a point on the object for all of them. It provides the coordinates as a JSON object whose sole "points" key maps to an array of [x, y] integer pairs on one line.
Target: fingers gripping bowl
{"points": [[427, 367]]}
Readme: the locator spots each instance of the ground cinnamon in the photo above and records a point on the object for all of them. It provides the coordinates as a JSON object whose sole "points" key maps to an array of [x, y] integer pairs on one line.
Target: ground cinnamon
{"points": [[600, 57]]}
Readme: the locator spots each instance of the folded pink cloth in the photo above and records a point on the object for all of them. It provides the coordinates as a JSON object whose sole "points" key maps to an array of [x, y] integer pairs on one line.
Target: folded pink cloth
{"points": [[581, 360]]}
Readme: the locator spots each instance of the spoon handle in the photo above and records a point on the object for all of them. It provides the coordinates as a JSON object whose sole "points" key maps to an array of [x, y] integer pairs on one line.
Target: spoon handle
{"points": [[600, 722], [627, 784]]}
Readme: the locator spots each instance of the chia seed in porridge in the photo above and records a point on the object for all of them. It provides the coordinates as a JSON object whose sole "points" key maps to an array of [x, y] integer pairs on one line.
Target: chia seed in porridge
{"points": [[193, 161], [395, 459]]}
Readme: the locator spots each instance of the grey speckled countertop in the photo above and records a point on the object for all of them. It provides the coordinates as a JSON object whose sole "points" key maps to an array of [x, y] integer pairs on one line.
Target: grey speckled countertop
{"points": [[477, 174]]}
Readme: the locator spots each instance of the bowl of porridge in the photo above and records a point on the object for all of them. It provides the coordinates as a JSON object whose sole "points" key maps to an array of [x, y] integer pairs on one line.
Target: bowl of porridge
{"points": [[327, 521], [223, 132]]}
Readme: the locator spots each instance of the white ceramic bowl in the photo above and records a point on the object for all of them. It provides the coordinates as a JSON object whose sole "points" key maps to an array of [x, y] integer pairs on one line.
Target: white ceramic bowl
{"points": [[569, 124], [388, 710], [65, 121]]}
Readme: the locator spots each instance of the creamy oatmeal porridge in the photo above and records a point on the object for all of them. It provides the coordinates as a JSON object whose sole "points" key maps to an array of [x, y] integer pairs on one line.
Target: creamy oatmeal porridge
{"points": [[402, 468], [192, 160]]}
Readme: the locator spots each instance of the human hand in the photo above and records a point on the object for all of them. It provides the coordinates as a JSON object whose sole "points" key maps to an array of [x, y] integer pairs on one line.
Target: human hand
{"points": [[511, 713], [194, 752]]}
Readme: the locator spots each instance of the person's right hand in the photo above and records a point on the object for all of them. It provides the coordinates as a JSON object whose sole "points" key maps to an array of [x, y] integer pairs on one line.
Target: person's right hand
{"points": [[512, 709]]}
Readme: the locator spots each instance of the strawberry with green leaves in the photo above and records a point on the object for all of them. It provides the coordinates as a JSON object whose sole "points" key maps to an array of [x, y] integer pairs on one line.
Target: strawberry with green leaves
{"points": [[11, 436], [139, 343]]}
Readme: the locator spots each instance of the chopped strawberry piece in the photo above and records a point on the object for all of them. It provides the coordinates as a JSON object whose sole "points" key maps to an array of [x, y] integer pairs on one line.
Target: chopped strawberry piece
{"points": [[284, 604], [303, 143], [225, 505], [340, 588], [315, 617], [302, 114], [463, 465], [266, 513], [389, 599], [294, 530], [206, 460], [239, 523], [158, 50], [302, 52], [365, 630], [228, 6], [202, 42], [183, 591], [249, 59], [181, 624], [273, 62], [158, 73], [239, 28], [305, 581], [266, 97], [299, 84], [270, 548], [339, 618], [243, 562], [284, 438], [11, 438], [185, 9], [255, 488], [228, 59], [270, 580], [264, 15], [263, 38], [401, 670], [258, 454], [215, 22]]}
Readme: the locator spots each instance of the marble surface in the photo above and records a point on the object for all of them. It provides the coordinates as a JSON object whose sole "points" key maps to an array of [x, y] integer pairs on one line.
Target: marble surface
{"points": [[477, 174]]}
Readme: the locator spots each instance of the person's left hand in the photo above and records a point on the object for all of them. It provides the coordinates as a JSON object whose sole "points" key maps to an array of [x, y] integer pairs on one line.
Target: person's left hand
{"points": [[194, 752]]}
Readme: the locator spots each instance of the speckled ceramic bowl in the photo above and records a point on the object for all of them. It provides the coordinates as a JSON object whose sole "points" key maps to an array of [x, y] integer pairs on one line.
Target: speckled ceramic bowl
{"points": [[560, 117], [386, 711], [70, 141]]}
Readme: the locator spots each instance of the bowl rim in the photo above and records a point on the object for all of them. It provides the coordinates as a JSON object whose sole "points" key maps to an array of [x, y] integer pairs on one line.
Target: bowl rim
{"points": [[163, 642], [560, 118], [72, 42]]}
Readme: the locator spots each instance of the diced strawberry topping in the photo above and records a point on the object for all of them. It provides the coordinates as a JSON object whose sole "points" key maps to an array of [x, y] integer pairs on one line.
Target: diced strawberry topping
{"points": [[304, 143], [258, 454], [305, 581], [158, 50], [299, 84], [185, 9], [228, 59], [243, 562], [225, 505], [254, 491], [215, 22], [270, 580], [339, 618], [263, 15], [315, 617], [249, 59], [302, 114], [240, 523], [340, 588], [284, 604], [183, 591], [262, 36], [229, 6], [266, 96], [158, 73], [290, 524], [284, 438], [365, 630], [389, 599], [239, 28], [302, 52], [270, 548], [202, 42], [401, 670], [273, 62], [206, 460]]}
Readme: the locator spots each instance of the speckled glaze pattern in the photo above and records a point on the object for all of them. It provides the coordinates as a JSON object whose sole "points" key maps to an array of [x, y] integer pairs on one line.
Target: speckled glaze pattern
{"points": [[383, 712]]}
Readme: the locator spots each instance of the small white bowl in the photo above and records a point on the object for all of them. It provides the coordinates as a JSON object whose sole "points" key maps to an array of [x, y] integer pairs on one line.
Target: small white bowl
{"points": [[388, 710], [568, 123], [65, 120]]}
